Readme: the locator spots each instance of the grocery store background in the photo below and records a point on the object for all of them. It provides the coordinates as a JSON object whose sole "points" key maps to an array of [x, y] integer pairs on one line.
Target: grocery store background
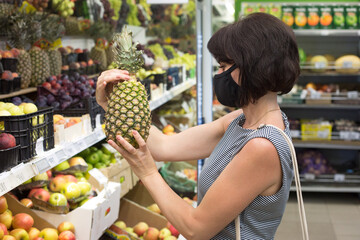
{"points": [[58, 129]]}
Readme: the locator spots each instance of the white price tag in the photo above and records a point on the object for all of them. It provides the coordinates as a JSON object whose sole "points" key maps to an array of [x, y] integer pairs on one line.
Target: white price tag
{"points": [[99, 176], [324, 33], [315, 95], [352, 94], [18, 173], [42, 165], [60, 155], [320, 65], [347, 64], [70, 150], [4, 188], [81, 145], [52, 161], [39, 148], [339, 177], [303, 94], [323, 134], [295, 133], [354, 135], [345, 135], [90, 140], [309, 176]]}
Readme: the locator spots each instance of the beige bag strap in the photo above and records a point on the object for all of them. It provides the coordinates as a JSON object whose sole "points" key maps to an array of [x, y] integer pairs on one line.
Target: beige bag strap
{"points": [[301, 207]]}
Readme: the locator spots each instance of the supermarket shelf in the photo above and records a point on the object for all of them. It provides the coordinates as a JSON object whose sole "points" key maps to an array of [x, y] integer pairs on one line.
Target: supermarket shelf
{"points": [[328, 32], [46, 161], [17, 93], [331, 144], [321, 106], [324, 188], [168, 95]]}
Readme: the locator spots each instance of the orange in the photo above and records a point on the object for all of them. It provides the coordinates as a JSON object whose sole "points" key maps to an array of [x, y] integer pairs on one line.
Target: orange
{"points": [[313, 20], [288, 20], [326, 19], [300, 21]]}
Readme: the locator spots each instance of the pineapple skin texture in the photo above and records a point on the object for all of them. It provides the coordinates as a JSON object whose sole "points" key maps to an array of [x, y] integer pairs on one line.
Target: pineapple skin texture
{"points": [[128, 109], [40, 67], [55, 61], [24, 68]]}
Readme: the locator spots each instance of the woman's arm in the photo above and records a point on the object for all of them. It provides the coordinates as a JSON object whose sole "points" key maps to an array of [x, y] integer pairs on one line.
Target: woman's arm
{"points": [[192, 144], [254, 170]]}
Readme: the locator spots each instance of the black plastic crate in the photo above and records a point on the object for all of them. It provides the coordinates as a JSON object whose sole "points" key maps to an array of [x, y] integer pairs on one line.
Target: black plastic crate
{"points": [[9, 158], [9, 64], [28, 128], [88, 106], [17, 84], [6, 86]]}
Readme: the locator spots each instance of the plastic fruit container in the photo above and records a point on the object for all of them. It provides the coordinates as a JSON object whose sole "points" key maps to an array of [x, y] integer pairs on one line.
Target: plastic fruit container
{"points": [[9, 64], [9, 158]]}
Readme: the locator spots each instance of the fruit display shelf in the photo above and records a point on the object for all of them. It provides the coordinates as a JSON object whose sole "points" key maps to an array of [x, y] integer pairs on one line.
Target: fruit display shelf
{"points": [[17, 93], [46, 160], [327, 32]]}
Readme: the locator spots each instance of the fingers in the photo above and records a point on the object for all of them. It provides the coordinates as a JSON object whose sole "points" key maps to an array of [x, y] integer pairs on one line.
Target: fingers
{"points": [[127, 146], [117, 148], [139, 139], [113, 75]]}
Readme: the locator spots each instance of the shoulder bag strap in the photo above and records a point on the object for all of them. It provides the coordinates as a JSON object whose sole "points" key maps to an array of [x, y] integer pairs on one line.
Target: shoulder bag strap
{"points": [[301, 207]]}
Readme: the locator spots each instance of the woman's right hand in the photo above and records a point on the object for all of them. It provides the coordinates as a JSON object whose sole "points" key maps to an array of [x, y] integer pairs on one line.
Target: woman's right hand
{"points": [[105, 84]]}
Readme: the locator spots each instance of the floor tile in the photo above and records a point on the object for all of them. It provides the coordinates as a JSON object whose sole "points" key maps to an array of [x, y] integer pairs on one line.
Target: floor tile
{"points": [[348, 237], [347, 228]]}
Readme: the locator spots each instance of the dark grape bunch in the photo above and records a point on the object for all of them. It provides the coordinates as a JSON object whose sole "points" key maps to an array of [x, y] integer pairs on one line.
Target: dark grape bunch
{"points": [[108, 13], [123, 13], [168, 53], [158, 11], [146, 51]]}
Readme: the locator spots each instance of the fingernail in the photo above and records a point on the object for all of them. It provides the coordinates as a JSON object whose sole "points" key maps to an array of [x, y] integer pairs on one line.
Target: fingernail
{"points": [[134, 132], [118, 137]]}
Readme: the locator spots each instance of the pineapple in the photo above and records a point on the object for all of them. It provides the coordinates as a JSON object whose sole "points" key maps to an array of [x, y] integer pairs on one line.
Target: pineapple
{"points": [[53, 29], [72, 26], [109, 54], [98, 54], [40, 66], [18, 37], [128, 107]]}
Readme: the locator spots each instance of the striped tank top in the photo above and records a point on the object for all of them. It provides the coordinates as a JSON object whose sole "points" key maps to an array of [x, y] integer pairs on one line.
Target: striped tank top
{"points": [[261, 218]]}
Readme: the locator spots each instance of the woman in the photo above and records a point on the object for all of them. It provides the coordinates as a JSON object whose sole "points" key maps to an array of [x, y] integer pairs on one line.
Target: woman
{"points": [[248, 172]]}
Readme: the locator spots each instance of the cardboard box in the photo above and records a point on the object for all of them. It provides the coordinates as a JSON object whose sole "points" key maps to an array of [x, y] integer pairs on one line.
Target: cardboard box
{"points": [[324, 98], [63, 135], [92, 218], [16, 207], [140, 195]]}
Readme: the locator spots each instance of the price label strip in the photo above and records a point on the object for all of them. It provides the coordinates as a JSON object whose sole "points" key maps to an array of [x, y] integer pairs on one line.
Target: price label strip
{"points": [[320, 65], [60, 155], [4, 186], [339, 177], [70, 150], [52, 161], [42, 165]]}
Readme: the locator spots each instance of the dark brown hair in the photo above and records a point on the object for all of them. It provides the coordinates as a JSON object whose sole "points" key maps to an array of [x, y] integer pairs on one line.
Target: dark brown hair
{"points": [[265, 51]]}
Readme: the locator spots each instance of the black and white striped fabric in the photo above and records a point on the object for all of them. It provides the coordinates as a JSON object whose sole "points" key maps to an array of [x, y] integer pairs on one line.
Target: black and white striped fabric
{"points": [[262, 217]]}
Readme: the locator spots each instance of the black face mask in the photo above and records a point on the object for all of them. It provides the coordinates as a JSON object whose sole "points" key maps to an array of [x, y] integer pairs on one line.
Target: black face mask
{"points": [[226, 89]]}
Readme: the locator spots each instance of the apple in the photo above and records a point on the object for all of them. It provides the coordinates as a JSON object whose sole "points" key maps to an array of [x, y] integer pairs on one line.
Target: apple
{"points": [[27, 181], [20, 234], [15, 111], [49, 173], [33, 233], [168, 128], [67, 235], [172, 229], [154, 208], [3, 227], [8, 237], [42, 194], [164, 232], [83, 202], [38, 238], [170, 238], [57, 199], [27, 202], [32, 192], [151, 234], [46, 85], [77, 161], [1, 233], [3, 204], [41, 177], [7, 141], [140, 228], [62, 166], [85, 187], [30, 108], [57, 183], [6, 218], [71, 190], [120, 224], [70, 178], [66, 226], [49, 234], [23, 220]]}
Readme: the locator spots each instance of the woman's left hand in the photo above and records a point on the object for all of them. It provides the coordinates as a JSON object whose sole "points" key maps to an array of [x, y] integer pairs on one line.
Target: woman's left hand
{"points": [[140, 160]]}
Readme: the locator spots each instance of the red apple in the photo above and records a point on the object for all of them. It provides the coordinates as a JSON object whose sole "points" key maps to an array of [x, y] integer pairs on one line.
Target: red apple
{"points": [[164, 232], [49, 173], [20, 234], [32, 192], [34, 233], [15, 75], [67, 235], [151, 234], [46, 85], [140, 228], [57, 183], [91, 82], [42, 194], [15, 52], [66, 226], [27, 202], [7, 141], [172, 229], [3, 227], [23, 220], [70, 178], [7, 75], [3, 204]]}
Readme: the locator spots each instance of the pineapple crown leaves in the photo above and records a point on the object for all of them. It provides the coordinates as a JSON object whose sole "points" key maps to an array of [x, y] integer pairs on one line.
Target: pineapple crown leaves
{"points": [[52, 28], [126, 56], [100, 29]]}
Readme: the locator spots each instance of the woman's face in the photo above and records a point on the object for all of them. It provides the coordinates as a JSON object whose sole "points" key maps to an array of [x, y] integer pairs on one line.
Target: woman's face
{"points": [[234, 74]]}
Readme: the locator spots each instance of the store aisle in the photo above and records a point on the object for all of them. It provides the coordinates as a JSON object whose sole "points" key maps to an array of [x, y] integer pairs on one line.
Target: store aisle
{"points": [[330, 216]]}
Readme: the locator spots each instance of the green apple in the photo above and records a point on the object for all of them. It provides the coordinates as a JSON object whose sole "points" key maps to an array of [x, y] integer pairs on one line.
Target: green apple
{"points": [[30, 108], [113, 160], [57, 199], [120, 224], [49, 234], [93, 158], [28, 181], [90, 166], [339, 20], [41, 177], [71, 190], [105, 157], [351, 20], [105, 150], [20, 234], [62, 166], [15, 111], [85, 153], [83, 202], [99, 165], [85, 187]]}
